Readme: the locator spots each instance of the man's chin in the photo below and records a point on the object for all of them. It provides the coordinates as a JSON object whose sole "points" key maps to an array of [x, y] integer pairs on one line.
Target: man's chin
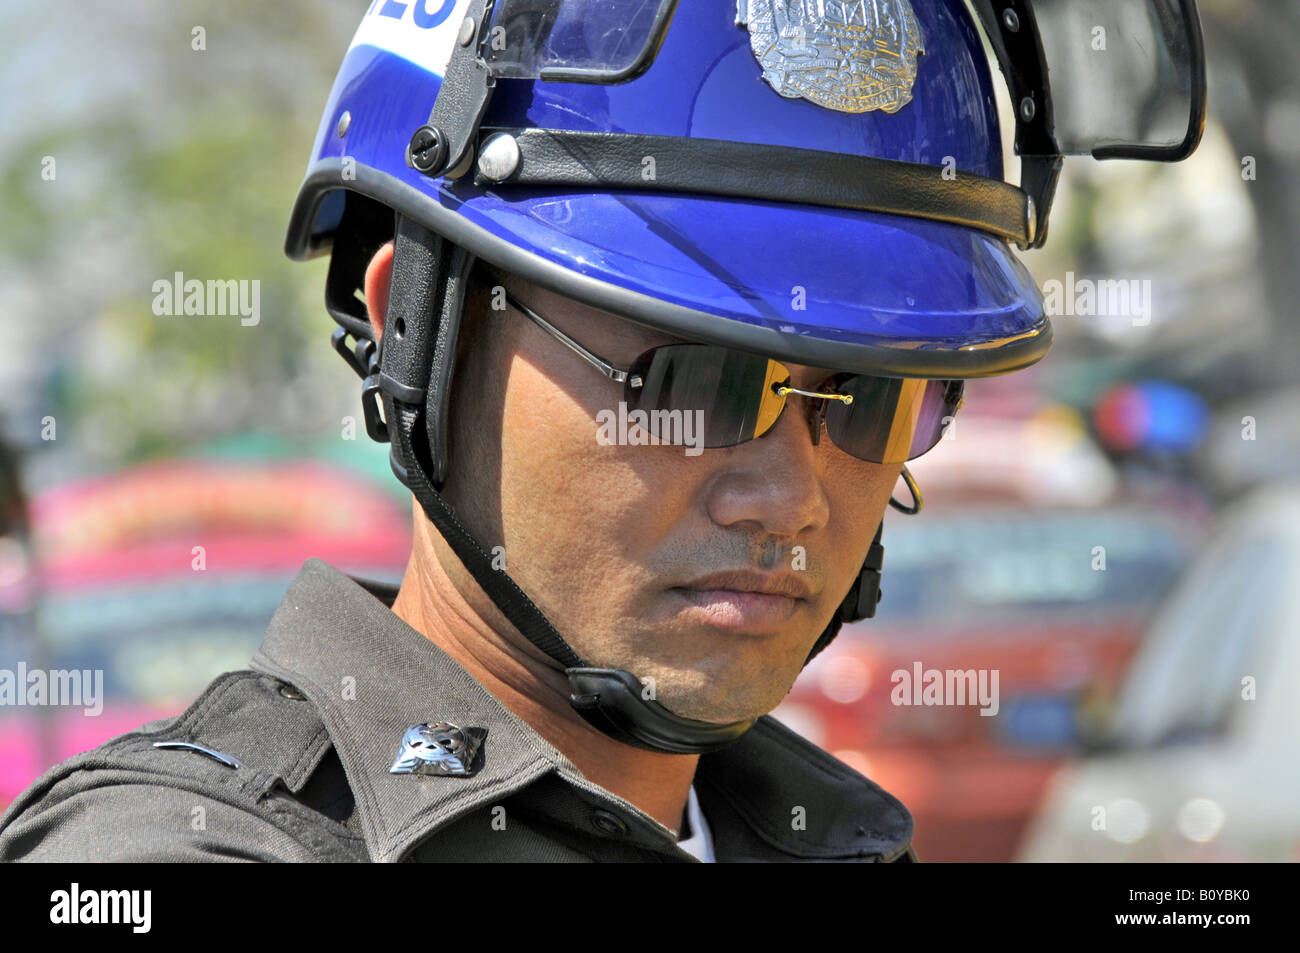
{"points": [[711, 690], [718, 711]]}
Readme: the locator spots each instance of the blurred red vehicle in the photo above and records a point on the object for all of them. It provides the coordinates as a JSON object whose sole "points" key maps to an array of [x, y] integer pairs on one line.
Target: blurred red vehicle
{"points": [[164, 575]]}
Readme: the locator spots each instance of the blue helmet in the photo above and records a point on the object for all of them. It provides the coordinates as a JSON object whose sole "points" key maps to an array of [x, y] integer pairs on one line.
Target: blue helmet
{"points": [[817, 181], [842, 287]]}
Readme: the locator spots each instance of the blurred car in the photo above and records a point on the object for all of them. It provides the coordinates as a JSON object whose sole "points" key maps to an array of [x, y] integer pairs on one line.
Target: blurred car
{"points": [[1004, 589], [1202, 755], [162, 576]]}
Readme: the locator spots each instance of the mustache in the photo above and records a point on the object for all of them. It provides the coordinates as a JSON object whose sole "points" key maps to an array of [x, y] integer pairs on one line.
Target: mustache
{"points": [[761, 554]]}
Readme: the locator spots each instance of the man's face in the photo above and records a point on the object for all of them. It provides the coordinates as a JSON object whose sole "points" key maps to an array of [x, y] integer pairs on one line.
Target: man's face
{"points": [[615, 543]]}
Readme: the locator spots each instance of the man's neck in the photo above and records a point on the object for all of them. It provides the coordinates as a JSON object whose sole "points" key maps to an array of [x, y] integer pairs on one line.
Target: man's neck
{"points": [[528, 683]]}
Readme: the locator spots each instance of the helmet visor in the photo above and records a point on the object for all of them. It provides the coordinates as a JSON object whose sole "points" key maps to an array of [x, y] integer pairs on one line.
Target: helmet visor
{"points": [[583, 41], [1123, 78], [1123, 73]]}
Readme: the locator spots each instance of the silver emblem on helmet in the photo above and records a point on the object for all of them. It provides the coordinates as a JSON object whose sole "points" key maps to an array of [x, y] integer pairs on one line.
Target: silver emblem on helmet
{"points": [[849, 55]]}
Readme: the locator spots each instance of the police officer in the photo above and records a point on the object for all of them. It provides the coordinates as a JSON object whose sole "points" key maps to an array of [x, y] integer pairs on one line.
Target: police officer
{"points": [[657, 303]]}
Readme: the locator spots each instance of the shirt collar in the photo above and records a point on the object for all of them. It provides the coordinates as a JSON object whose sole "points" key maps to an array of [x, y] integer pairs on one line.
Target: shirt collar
{"points": [[371, 676]]}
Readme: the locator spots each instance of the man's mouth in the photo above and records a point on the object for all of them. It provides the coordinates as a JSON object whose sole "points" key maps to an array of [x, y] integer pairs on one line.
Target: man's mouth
{"points": [[743, 600]]}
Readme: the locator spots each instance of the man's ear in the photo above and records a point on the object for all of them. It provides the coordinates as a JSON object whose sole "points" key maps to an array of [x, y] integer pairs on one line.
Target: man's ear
{"points": [[378, 275]]}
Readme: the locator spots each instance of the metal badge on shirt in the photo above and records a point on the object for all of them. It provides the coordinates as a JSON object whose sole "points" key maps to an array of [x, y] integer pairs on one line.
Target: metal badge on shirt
{"points": [[848, 55], [440, 749]]}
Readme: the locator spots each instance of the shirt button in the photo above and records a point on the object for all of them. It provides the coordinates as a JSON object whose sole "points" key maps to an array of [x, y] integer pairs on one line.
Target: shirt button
{"points": [[288, 691], [608, 823]]}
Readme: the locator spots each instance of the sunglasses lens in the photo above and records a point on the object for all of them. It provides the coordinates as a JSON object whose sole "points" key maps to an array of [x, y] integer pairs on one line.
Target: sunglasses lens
{"points": [[891, 419], [731, 389]]}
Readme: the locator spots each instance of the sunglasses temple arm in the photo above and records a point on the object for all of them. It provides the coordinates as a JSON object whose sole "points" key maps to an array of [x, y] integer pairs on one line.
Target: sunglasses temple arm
{"points": [[609, 370], [913, 489]]}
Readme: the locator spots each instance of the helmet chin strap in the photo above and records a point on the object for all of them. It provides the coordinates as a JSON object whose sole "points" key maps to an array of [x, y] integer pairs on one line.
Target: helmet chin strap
{"points": [[411, 374]]}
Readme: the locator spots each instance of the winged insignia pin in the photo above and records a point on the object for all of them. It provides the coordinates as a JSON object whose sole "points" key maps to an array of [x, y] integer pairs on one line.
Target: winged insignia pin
{"points": [[440, 749]]}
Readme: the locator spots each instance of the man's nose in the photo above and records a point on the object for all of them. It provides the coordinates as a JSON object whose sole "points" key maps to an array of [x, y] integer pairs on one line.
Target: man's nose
{"points": [[775, 481]]}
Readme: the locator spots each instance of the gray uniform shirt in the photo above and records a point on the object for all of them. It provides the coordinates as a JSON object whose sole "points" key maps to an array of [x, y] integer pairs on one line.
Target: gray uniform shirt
{"points": [[311, 729]]}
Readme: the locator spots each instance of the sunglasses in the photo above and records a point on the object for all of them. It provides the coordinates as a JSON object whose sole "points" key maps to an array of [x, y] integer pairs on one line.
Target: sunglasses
{"points": [[742, 396]]}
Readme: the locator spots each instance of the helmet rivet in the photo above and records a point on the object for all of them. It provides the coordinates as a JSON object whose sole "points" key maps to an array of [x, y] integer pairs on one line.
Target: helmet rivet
{"points": [[344, 121], [1027, 109], [499, 158], [428, 149], [1010, 20], [466, 31]]}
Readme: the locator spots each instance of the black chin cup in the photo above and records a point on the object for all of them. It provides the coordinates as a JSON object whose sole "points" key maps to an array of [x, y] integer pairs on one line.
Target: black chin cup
{"points": [[615, 703]]}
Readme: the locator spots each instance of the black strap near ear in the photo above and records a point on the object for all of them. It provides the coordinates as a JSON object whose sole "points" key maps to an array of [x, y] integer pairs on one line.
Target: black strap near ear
{"points": [[406, 347], [438, 398]]}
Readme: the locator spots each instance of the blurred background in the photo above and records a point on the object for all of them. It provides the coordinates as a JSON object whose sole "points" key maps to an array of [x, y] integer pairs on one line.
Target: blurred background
{"points": [[1115, 532]]}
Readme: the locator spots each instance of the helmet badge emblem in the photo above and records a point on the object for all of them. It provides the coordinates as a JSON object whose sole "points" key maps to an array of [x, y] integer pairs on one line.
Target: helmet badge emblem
{"points": [[849, 55]]}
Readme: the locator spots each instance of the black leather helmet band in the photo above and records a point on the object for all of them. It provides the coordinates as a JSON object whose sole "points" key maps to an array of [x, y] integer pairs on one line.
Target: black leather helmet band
{"points": [[594, 161]]}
